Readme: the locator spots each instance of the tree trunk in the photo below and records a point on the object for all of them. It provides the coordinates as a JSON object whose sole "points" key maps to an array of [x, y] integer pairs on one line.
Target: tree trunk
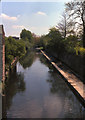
{"points": [[84, 36], [84, 55], [65, 29]]}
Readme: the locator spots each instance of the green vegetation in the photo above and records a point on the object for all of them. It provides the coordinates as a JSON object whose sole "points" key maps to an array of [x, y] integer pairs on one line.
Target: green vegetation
{"points": [[18, 48], [54, 42], [14, 49], [80, 51], [27, 38]]}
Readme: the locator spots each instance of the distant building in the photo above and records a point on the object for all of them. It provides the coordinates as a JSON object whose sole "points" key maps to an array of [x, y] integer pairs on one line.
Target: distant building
{"points": [[16, 38], [2, 53]]}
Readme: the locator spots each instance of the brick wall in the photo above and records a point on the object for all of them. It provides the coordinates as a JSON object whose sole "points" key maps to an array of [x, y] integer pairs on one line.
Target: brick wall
{"points": [[2, 54]]}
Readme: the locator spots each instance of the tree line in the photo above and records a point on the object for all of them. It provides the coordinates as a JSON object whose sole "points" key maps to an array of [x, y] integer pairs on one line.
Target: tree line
{"points": [[68, 35]]}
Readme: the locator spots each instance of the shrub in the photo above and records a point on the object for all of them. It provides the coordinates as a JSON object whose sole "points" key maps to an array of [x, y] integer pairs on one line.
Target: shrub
{"points": [[80, 51]]}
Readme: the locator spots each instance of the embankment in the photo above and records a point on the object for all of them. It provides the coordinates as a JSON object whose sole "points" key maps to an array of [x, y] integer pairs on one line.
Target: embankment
{"points": [[74, 82], [10, 67], [74, 62]]}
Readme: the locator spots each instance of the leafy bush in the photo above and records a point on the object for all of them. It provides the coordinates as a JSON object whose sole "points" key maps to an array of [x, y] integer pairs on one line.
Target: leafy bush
{"points": [[80, 51], [70, 43], [13, 49], [9, 59]]}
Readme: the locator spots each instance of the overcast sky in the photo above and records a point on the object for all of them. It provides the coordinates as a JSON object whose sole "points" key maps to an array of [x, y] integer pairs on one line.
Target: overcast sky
{"points": [[37, 17]]}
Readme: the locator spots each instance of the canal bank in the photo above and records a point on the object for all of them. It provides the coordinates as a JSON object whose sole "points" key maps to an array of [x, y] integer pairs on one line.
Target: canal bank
{"points": [[10, 67], [75, 84]]}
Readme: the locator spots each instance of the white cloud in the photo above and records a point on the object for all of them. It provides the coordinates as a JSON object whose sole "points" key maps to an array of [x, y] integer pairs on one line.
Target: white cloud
{"points": [[41, 13], [6, 17], [39, 30], [18, 16], [18, 26]]}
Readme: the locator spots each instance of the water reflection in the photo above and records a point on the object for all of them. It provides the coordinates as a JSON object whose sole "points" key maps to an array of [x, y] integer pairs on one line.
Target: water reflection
{"points": [[14, 84], [27, 60], [39, 92], [71, 106], [43, 60]]}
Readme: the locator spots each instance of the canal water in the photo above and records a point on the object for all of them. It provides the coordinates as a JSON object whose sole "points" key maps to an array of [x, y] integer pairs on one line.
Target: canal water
{"points": [[36, 90]]}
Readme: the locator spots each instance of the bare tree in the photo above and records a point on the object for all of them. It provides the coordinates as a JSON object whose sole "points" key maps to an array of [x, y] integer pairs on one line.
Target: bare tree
{"points": [[62, 25], [66, 26], [76, 11]]}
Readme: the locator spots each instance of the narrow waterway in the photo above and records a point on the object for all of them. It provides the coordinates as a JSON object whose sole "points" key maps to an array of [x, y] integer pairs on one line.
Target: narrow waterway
{"points": [[36, 90]]}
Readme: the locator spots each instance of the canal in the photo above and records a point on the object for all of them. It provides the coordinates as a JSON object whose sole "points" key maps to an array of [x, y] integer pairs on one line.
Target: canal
{"points": [[36, 90]]}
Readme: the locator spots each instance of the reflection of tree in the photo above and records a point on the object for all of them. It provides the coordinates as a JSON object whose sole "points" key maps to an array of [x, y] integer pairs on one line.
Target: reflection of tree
{"points": [[70, 102], [46, 62], [14, 84], [55, 80], [57, 83], [27, 60]]}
